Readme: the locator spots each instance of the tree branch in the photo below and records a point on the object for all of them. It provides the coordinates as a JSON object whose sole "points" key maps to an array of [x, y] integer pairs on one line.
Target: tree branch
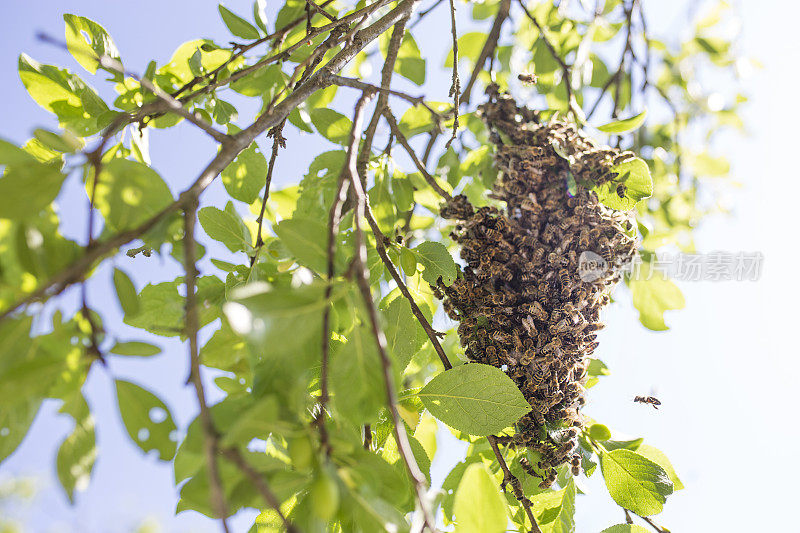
{"points": [[380, 240], [210, 444], [263, 488], [362, 279], [228, 152], [488, 48], [387, 113], [516, 486]]}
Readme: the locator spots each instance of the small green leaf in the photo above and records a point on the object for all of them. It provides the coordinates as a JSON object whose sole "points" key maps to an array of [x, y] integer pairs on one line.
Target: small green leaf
{"points": [[307, 240], [478, 506], [557, 513], [408, 261], [436, 262], [126, 293], [88, 41], [404, 335], [244, 177], [226, 227], [135, 348], [237, 25], [331, 124], [78, 451], [651, 297], [147, 419], [27, 186], [224, 112], [599, 432], [626, 528], [633, 180], [625, 125], [635, 482], [129, 193], [474, 398], [64, 142], [358, 362], [196, 63], [658, 457]]}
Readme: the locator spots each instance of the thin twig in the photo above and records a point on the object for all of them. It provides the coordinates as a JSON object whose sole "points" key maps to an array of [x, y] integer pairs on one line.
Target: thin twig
{"points": [[387, 113], [380, 240], [361, 85], [317, 9], [210, 442], [261, 485], [488, 48], [516, 486], [455, 88], [229, 151], [172, 104], [362, 279], [278, 141], [566, 70]]}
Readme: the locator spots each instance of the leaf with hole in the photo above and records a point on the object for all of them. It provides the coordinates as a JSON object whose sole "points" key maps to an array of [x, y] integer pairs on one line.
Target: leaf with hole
{"points": [[147, 419]]}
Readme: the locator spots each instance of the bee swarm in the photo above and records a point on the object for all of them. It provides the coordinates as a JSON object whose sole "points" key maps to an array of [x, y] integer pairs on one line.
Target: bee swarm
{"points": [[521, 303]]}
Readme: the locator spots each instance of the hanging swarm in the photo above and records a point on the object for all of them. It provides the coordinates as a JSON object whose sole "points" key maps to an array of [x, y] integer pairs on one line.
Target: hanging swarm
{"points": [[529, 300]]}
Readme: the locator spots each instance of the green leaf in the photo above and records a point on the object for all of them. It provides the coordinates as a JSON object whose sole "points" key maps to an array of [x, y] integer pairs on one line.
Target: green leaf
{"points": [[624, 125], [72, 100], [264, 82], [129, 193], [658, 457], [64, 142], [651, 297], [27, 186], [147, 419], [626, 528], [637, 184], [126, 293], [77, 453], [135, 348], [479, 507], [436, 262], [88, 41], [557, 513], [635, 482], [418, 119], [404, 335], [237, 25], [474, 398], [226, 227], [408, 261], [599, 432], [410, 63], [224, 112], [331, 124], [469, 47], [162, 307], [212, 57], [15, 419], [358, 362], [307, 240], [288, 320], [245, 176]]}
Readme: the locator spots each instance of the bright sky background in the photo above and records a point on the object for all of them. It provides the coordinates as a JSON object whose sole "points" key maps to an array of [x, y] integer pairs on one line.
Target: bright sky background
{"points": [[725, 372]]}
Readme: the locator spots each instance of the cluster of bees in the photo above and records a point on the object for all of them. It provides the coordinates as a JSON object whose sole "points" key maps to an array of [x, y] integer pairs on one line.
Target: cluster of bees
{"points": [[521, 302]]}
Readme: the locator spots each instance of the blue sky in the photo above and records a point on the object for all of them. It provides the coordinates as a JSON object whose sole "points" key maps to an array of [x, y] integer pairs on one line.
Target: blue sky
{"points": [[725, 372]]}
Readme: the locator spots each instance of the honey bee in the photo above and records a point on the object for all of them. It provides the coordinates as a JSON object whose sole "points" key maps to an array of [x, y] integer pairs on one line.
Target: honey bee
{"points": [[528, 79], [575, 464], [652, 400], [537, 310]]}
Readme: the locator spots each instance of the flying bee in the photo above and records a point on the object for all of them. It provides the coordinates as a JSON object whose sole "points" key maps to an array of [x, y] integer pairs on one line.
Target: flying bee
{"points": [[528, 79], [652, 400]]}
